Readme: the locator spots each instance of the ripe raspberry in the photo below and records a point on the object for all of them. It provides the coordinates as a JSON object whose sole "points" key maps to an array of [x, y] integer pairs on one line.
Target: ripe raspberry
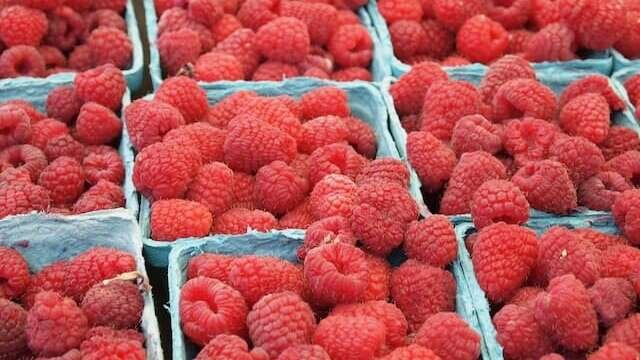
{"points": [[334, 195], [409, 91], [520, 334], [529, 139], [552, 356], [21, 25], [104, 17], [25, 157], [226, 347], [555, 42], [103, 195], [431, 241], [117, 304], [499, 200], [223, 28], [518, 40], [195, 221], [510, 14], [392, 199], [421, 290], [384, 169], [335, 159], [601, 191], [598, 84], [66, 27], [547, 186], [81, 58], [619, 261], [391, 317], [256, 13], [228, 108], [240, 220], [242, 44], [64, 145], [15, 125], [100, 347], [627, 165], [218, 66], [453, 14], [110, 46], [613, 299], [103, 164], [257, 276], [273, 112], [626, 332], [581, 157], [351, 45], [565, 312], [243, 190], [615, 350], [587, 116], [14, 273], [525, 296], [22, 198], [185, 95], [97, 125], [351, 74], [55, 325], [350, 338], [104, 85], [379, 278], [64, 179], [482, 40], [632, 85], [284, 39], [629, 42], [209, 308], [21, 60], [432, 160], [507, 68], [206, 12], [278, 188], [626, 214], [474, 133], [13, 318], [473, 170], [298, 218], [408, 37], [178, 48], [275, 71], [62, 104], [173, 19], [321, 19], [34, 114], [325, 101], [439, 41], [618, 141], [322, 131], [115, 5], [308, 352], [398, 10], [214, 266], [441, 109], [213, 187], [598, 25], [524, 98], [13, 175], [148, 121], [545, 12], [410, 352], [382, 238], [164, 170], [449, 337], [602, 241]]}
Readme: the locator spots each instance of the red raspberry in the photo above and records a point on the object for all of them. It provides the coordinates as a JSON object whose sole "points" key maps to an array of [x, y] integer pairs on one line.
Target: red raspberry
{"points": [[117, 304], [379, 279], [218, 66], [618, 141], [34, 114], [55, 325], [409, 91], [105, 17], [555, 42], [518, 40], [207, 12], [308, 352], [13, 341], [110, 46], [104, 331], [243, 190], [433, 160], [228, 108], [298, 218], [524, 98], [13, 175], [256, 13], [213, 187], [613, 299], [25, 157], [101, 196], [115, 5], [325, 101], [227, 347], [565, 312], [408, 37], [334, 195], [455, 60], [104, 164], [439, 41], [449, 337], [391, 198], [626, 214], [361, 136], [66, 27], [473, 170], [226, 26], [529, 139], [627, 165], [581, 157], [291, 104], [545, 12], [64, 145], [351, 45], [598, 84], [257, 276], [22, 198], [398, 10], [81, 58], [21, 60], [148, 121], [278, 188], [322, 131], [445, 103], [600, 240], [511, 14], [321, 19], [499, 200], [21, 25], [381, 239], [204, 34], [208, 308], [240, 220], [273, 112], [350, 337], [388, 170], [275, 71], [619, 261], [335, 159], [185, 95], [598, 25], [97, 125], [629, 42], [178, 48], [242, 44], [100, 347], [482, 40], [104, 85], [525, 297], [626, 332], [64, 178], [210, 265], [326, 231], [547, 186], [552, 356], [62, 104], [411, 352], [284, 39], [473, 133], [615, 350], [601, 191], [431, 241], [15, 125], [173, 19], [351, 74], [14, 273], [507, 68], [453, 14], [195, 221], [519, 333], [632, 85]]}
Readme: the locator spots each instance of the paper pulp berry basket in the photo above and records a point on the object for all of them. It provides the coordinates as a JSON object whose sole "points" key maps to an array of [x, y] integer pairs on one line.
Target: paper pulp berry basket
{"points": [[619, 78]]}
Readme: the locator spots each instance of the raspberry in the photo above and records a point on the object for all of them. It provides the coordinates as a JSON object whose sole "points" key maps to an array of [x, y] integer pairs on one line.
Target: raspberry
{"points": [[421, 290], [13, 341], [431, 241], [22, 198], [243, 190], [228, 108], [207, 12], [148, 121], [525, 296], [320, 19], [432, 160], [291, 104], [218, 66], [445, 103], [164, 170], [97, 125], [213, 187], [173, 19], [351, 46], [204, 34], [552, 356], [511, 14], [409, 91], [105, 17], [473, 133], [13, 175], [65, 28], [103, 195], [178, 48], [14, 273], [600, 240], [411, 352], [626, 332], [380, 239], [453, 14], [25, 157], [275, 71], [298, 218], [208, 308], [598, 25], [627, 165], [257, 276], [439, 42], [565, 312], [408, 37], [545, 12], [275, 113], [598, 84], [499, 200], [115, 5], [242, 44], [524, 98], [619, 261], [55, 325], [581, 157], [226, 26], [555, 42], [322, 131], [100, 347], [519, 333], [104, 164], [81, 58], [226, 347], [449, 337], [240, 220], [334, 159], [256, 13], [104, 331], [195, 221], [64, 178], [547, 186], [626, 215], [350, 337], [618, 141], [632, 85], [482, 40], [629, 42], [390, 316], [62, 104], [334, 195], [34, 114], [388, 170], [361, 136], [278, 188], [518, 40], [210, 265], [308, 352], [398, 10], [64, 145], [110, 46], [615, 350], [284, 39], [601, 191], [472, 170], [529, 139], [351, 74], [104, 85], [117, 304], [613, 299], [379, 278], [21, 25], [21, 60], [185, 95], [505, 69], [325, 101], [391, 198], [15, 125]]}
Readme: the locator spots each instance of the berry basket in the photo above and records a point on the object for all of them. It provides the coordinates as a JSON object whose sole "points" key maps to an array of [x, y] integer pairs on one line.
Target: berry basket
{"points": [[621, 62], [365, 101], [379, 68], [557, 83], [43, 240], [598, 62], [619, 78], [133, 75], [283, 244]]}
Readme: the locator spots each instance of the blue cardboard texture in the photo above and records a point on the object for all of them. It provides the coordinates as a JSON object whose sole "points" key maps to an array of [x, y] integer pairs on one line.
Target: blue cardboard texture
{"points": [[619, 78], [43, 240], [379, 66], [133, 75], [621, 62], [366, 102], [598, 62], [282, 244], [37, 95], [492, 349], [557, 82]]}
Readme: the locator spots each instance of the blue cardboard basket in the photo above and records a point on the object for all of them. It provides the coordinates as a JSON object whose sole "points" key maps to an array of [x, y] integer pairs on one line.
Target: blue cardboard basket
{"points": [[133, 75], [43, 240], [556, 82], [597, 221], [379, 66], [598, 62], [37, 95], [283, 244], [621, 62], [619, 78], [365, 101]]}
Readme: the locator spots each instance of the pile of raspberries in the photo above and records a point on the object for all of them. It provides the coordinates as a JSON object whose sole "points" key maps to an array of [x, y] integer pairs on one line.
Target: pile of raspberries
{"points": [[64, 161], [260, 40], [457, 33], [466, 142], [43, 37], [81, 308], [341, 302]]}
